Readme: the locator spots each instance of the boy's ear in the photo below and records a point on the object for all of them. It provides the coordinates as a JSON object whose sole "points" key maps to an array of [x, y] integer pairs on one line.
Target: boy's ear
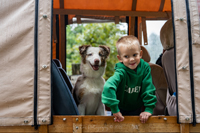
{"points": [[141, 53], [119, 58]]}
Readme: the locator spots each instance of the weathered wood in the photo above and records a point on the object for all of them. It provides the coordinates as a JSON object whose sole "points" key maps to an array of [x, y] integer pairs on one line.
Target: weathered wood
{"points": [[106, 124]]}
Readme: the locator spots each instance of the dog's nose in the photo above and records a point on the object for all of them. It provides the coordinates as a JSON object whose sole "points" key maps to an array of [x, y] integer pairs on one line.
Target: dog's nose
{"points": [[96, 61]]}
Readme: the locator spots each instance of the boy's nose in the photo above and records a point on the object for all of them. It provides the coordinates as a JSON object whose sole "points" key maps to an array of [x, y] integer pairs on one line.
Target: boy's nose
{"points": [[132, 58]]}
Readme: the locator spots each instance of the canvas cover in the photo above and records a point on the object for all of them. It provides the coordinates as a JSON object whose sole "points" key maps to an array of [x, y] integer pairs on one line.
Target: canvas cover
{"points": [[194, 6], [187, 33], [25, 53]]}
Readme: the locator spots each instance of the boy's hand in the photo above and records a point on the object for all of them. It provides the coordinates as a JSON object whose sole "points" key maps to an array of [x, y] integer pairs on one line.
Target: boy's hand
{"points": [[118, 117], [144, 116]]}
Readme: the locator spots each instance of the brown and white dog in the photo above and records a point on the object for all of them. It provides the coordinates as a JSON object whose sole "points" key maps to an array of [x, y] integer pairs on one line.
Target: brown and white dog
{"points": [[89, 86]]}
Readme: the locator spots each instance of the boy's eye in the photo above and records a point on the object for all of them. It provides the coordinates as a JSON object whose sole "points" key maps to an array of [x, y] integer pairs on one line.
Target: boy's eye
{"points": [[126, 56], [135, 55]]}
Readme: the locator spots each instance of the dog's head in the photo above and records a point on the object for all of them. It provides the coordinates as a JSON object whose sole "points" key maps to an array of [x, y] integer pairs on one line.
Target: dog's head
{"points": [[95, 56]]}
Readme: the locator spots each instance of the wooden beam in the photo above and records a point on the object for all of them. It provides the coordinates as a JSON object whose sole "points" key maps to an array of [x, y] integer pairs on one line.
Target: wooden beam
{"points": [[61, 4], [140, 32], [62, 38], [161, 5], [54, 29], [18, 129], [102, 124], [134, 4], [108, 12], [144, 30]]}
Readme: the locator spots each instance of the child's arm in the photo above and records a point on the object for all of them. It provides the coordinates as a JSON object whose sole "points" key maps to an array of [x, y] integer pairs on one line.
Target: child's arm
{"points": [[118, 117], [144, 116]]}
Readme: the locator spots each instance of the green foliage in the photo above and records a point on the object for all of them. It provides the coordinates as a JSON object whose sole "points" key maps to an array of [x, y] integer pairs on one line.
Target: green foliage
{"points": [[95, 35]]}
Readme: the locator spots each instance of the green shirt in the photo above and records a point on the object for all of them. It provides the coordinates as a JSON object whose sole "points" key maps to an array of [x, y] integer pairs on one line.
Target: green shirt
{"points": [[130, 90]]}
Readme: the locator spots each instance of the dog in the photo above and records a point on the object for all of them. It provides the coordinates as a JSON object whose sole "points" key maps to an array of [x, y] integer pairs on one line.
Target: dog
{"points": [[89, 86]]}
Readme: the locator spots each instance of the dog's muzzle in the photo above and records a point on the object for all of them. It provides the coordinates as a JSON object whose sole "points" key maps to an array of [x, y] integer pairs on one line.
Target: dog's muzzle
{"points": [[95, 67]]}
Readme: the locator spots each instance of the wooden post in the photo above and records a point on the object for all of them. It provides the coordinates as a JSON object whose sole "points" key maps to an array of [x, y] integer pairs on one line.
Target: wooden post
{"points": [[131, 25], [144, 29], [62, 38], [43, 129], [184, 128]]}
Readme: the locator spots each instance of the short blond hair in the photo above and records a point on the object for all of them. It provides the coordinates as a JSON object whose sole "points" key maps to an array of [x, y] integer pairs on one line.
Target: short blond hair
{"points": [[127, 41]]}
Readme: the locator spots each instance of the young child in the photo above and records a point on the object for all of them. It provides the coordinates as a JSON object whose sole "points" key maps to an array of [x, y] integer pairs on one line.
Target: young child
{"points": [[131, 87]]}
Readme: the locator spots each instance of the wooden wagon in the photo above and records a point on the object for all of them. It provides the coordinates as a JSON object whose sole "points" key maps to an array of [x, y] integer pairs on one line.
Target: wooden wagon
{"points": [[33, 32]]}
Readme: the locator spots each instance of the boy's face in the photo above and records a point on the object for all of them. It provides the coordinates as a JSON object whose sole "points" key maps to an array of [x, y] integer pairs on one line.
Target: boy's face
{"points": [[130, 56]]}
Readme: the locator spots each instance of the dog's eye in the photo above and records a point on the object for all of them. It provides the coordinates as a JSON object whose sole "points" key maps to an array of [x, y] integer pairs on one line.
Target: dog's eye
{"points": [[89, 54], [100, 54]]}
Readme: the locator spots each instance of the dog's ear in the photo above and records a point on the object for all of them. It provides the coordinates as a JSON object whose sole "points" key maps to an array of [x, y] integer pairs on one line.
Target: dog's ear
{"points": [[106, 50], [82, 49]]}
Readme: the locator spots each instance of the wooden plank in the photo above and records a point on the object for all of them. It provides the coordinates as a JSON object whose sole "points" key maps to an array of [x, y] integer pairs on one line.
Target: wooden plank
{"points": [[43, 129], [18, 129], [61, 124], [130, 124], [184, 128], [108, 12], [194, 129], [100, 124], [144, 30]]}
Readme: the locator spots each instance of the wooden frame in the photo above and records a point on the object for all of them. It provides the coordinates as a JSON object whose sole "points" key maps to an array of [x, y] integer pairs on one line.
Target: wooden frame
{"points": [[102, 124], [111, 13]]}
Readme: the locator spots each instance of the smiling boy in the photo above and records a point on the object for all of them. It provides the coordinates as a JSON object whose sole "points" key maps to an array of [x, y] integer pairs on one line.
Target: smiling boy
{"points": [[131, 87]]}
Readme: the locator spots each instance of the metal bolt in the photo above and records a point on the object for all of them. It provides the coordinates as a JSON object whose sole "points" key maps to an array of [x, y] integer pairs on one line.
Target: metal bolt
{"points": [[25, 121], [43, 120], [76, 119], [44, 66], [165, 119], [181, 19], [64, 119], [76, 127], [44, 16], [184, 67], [187, 119]]}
